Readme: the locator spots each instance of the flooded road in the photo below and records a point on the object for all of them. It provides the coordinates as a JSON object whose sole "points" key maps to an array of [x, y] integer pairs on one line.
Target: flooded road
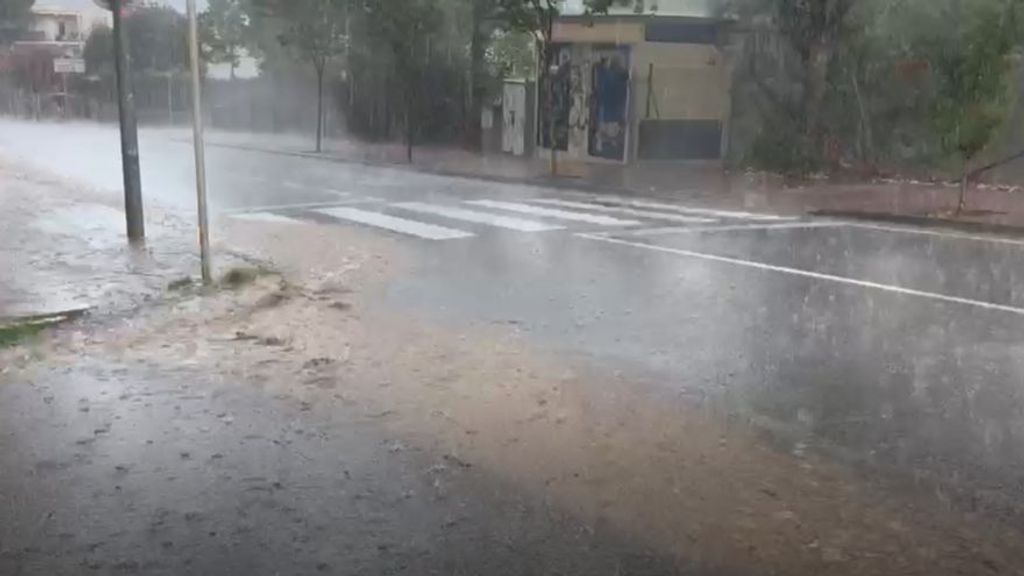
{"points": [[890, 353]]}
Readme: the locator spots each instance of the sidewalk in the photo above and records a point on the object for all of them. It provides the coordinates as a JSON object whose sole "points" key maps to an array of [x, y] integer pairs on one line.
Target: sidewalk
{"points": [[988, 206], [63, 248]]}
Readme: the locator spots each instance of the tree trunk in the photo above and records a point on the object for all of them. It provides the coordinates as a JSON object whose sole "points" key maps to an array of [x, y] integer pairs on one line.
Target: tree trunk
{"points": [[473, 131], [866, 138], [815, 84], [409, 125], [553, 161], [546, 82], [319, 107], [961, 203]]}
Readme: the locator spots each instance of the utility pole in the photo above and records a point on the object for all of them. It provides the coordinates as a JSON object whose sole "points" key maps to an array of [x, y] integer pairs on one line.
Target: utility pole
{"points": [[197, 137], [129, 129]]}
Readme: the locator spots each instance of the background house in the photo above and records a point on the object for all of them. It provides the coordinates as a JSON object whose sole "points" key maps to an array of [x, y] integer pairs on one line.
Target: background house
{"points": [[53, 34], [647, 85]]}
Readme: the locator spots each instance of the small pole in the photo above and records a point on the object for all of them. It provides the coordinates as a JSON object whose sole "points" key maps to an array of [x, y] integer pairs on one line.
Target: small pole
{"points": [[67, 100], [170, 97], [129, 130], [197, 136]]}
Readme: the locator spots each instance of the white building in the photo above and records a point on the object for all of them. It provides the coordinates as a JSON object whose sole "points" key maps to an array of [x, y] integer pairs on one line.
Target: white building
{"points": [[54, 31]]}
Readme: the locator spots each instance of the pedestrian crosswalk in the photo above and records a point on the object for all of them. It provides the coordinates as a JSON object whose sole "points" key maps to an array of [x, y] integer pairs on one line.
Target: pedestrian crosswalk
{"points": [[457, 220], [395, 224], [555, 213], [669, 217], [498, 220]]}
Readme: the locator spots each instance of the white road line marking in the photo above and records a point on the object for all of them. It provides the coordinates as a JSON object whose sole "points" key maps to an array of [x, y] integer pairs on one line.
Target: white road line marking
{"points": [[265, 217], [300, 186], [478, 217], [926, 232], [685, 209], [623, 210], [400, 225], [731, 227], [810, 274], [299, 206], [554, 213]]}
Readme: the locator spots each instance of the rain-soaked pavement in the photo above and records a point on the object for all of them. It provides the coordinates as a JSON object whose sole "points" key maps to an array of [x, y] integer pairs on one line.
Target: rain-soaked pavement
{"points": [[894, 351]]}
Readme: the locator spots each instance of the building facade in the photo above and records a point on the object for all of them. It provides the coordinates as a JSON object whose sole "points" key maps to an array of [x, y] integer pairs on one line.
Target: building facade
{"points": [[637, 85], [38, 65], [54, 31]]}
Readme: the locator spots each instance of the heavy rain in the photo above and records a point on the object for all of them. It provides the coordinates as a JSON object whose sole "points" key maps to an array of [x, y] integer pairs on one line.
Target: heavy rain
{"points": [[623, 287]]}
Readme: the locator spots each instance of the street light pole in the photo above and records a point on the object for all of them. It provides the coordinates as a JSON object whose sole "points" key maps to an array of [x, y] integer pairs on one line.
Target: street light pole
{"points": [[197, 137], [129, 130]]}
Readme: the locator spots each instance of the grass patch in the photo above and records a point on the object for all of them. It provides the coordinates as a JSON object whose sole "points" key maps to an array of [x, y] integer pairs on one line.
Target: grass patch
{"points": [[180, 284], [13, 334], [240, 276]]}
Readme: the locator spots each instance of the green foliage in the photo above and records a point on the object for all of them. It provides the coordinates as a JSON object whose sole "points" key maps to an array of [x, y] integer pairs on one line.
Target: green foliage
{"points": [[157, 38], [537, 16], [224, 28], [13, 335], [156, 42], [970, 71], [14, 17], [511, 54], [314, 29], [887, 84], [786, 60], [99, 51]]}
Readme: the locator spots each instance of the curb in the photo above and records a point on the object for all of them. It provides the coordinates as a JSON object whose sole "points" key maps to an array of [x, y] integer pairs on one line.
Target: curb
{"points": [[925, 222], [560, 182]]}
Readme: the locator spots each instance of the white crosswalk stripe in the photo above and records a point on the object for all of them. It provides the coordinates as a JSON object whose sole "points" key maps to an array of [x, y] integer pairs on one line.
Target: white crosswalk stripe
{"points": [[394, 224], [670, 217], [300, 186], [630, 202], [265, 217], [749, 226], [554, 213], [519, 224]]}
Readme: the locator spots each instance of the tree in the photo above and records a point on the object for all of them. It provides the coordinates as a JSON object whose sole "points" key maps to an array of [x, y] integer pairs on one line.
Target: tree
{"points": [[157, 38], [970, 74], [790, 49], [511, 54], [225, 31], [405, 27], [14, 17], [99, 50], [316, 29], [156, 42]]}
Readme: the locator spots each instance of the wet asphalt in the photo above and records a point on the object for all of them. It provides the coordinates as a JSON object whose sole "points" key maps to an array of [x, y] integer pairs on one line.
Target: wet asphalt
{"points": [[897, 350], [149, 471]]}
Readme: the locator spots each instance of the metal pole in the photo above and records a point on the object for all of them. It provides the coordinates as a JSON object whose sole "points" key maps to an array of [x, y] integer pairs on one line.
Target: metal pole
{"points": [[129, 130], [170, 97], [197, 136], [67, 100]]}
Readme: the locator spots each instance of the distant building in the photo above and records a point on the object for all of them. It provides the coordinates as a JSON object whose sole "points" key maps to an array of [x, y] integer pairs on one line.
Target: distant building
{"points": [[53, 34], [650, 84], [55, 31]]}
